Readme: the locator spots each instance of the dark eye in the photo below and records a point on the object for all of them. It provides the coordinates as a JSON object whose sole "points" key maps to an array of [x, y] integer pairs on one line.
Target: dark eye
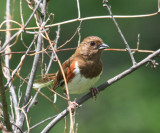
{"points": [[92, 43]]}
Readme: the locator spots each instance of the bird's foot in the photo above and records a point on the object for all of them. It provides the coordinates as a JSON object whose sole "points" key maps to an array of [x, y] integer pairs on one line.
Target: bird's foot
{"points": [[94, 92], [73, 105]]}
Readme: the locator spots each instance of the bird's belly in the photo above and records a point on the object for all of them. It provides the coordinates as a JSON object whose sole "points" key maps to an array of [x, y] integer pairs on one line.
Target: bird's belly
{"points": [[80, 84]]}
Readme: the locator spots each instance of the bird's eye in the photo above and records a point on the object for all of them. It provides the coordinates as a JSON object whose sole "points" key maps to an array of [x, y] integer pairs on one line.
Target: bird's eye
{"points": [[92, 43]]}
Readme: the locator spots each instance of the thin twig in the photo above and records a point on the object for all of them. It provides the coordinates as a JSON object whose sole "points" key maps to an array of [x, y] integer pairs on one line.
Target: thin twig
{"points": [[22, 58], [36, 94], [77, 30], [79, 12], [12, 117], [42, 94], [20, 30], [86, 18], [5, 21], [68, 49], [120, 32], [48, 68], [65, 82], [29, 19], [100, 88], [33, 100], [138, 41], [79, 34], [21, 13], [133, 50], [55, 47], [39, 123], [23, 109]]}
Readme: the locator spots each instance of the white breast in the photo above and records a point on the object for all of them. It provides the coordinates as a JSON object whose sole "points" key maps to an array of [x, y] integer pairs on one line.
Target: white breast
{"points": [[79, 83]]}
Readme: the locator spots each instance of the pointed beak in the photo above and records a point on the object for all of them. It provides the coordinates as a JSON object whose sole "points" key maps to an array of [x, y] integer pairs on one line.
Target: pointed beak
{"points": [[103, 46]]}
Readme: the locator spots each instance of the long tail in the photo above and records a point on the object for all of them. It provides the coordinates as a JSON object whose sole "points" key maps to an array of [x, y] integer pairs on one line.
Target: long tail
{"points": [[48, 80]]}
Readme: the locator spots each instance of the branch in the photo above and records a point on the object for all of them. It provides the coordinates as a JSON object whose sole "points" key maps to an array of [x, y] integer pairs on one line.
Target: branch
{"points": [[13, 97], [4, 101], [31, 79], [34, 67], [120, 32], [68, 49], [41, 122], [55, 47], [101, 88], [86, 18]]}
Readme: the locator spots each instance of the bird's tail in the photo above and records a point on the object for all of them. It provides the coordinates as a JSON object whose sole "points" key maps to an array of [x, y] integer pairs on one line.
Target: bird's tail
{"points": [[43, 82]]}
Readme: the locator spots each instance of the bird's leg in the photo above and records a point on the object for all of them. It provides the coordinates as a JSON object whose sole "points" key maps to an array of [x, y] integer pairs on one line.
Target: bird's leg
{"points": [[94, 92]]}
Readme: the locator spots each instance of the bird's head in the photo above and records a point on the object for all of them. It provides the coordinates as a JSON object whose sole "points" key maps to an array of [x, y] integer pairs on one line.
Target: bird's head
{"points": [[91, 46]]}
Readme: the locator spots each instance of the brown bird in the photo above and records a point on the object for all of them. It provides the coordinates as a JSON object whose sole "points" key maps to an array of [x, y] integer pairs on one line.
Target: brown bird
{"points": [[82, 70]]}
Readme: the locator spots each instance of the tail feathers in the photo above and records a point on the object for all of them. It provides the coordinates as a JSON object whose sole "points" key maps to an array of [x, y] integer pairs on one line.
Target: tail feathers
{"points": [[48, 80], [42, 84]]}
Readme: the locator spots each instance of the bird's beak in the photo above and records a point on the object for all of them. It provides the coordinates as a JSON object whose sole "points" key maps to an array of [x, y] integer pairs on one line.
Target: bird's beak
{"points": [[103, 46]]}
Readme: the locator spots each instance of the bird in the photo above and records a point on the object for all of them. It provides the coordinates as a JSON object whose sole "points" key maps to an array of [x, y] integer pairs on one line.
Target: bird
{"points": [[82, 70]]}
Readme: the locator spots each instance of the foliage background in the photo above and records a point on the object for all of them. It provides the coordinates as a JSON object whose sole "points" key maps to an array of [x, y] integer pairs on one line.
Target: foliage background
{"points": [[129, 106]]}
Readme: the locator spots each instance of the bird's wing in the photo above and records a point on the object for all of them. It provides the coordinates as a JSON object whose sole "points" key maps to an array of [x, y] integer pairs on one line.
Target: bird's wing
{"points": [[68, 68]]}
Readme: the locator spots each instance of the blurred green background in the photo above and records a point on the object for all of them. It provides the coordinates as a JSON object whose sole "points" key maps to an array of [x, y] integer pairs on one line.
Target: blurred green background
{"points": [[131, 105]]}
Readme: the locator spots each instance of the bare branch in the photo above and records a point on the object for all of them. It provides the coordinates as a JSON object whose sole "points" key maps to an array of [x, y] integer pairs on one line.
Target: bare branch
{"points": [[31, 79], [78, 7], [77, 31], [39, 123], [55, 47], [4, 101], [68, 49], [34, 66], [13, 97], [33, 100], [21, 13], [138, 41], [87, 18], [120, 32]]}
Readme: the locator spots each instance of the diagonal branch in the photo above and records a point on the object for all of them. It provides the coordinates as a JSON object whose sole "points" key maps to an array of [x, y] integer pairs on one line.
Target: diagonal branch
{"points": [[120, 32], [100, 88], [41, 122]]}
